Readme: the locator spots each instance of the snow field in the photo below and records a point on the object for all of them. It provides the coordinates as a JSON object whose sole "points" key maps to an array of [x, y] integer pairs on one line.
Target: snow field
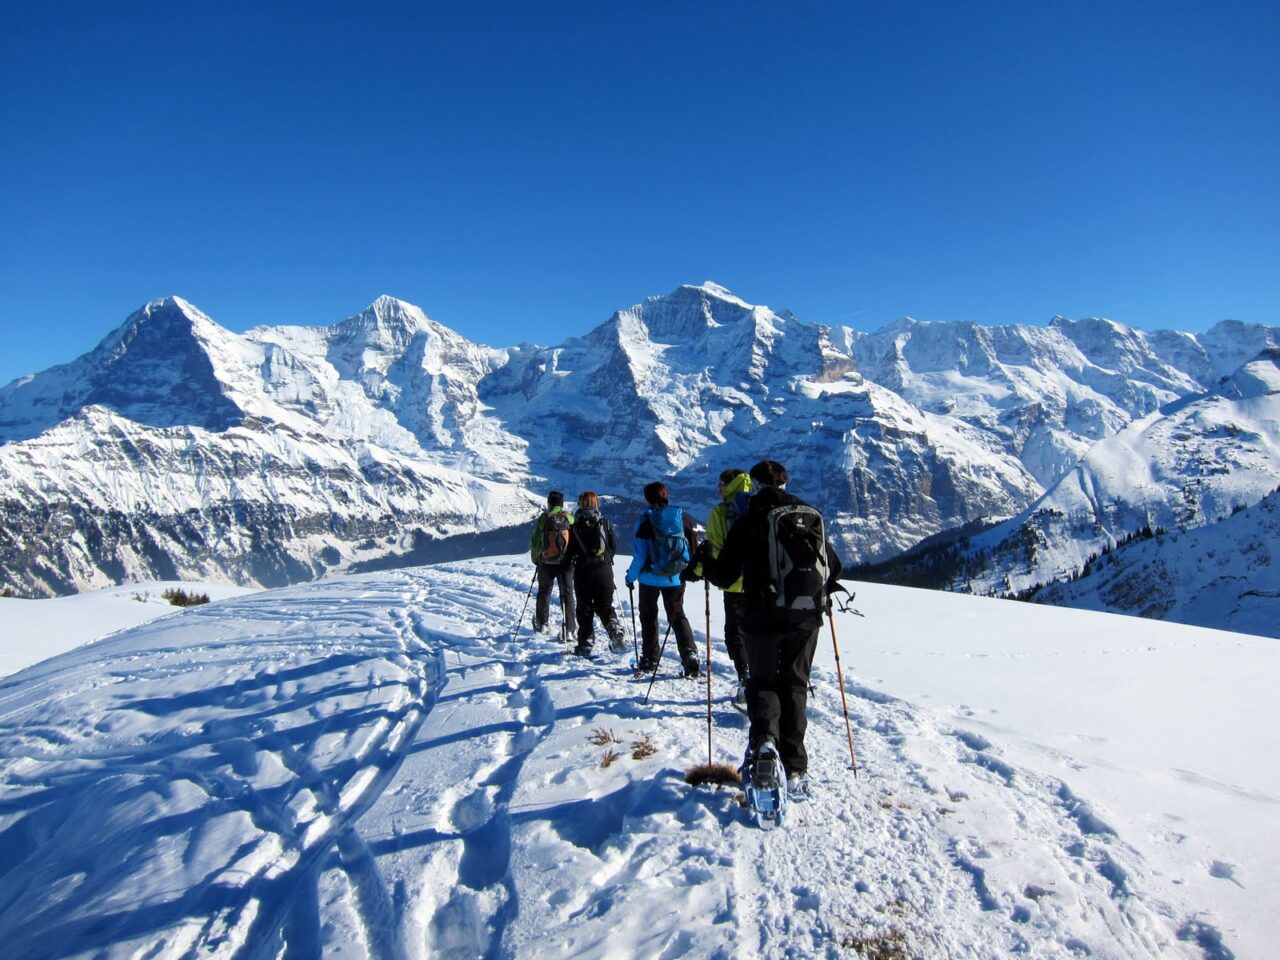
{"points": [[380, 766]]}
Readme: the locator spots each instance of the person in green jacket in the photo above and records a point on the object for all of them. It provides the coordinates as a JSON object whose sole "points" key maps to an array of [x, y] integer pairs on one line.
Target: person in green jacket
{"points": [[549, 550], [735, 493]]}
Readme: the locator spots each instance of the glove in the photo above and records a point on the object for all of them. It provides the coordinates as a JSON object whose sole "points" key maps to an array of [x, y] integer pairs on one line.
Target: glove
{"points": [[689, 574], [703, 553], [629, 583]]}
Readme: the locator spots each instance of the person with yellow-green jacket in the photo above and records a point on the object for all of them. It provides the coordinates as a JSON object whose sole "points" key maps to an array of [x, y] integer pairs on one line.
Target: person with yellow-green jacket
{"points": [[735, 494]]}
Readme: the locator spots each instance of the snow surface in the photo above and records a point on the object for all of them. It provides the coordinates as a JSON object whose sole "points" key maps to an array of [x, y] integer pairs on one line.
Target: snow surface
{"points": [[34, 630], [376, 766]]}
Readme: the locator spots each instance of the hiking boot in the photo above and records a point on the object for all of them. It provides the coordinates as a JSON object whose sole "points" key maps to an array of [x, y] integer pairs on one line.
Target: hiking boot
{"points": [[645, 665], [539, 628], [582, 650], [799, 788], [692, 668]]}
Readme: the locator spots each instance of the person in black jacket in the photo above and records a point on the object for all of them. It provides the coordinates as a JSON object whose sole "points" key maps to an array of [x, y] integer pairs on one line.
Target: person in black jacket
{"points": [[592, 546], [780, 643]]}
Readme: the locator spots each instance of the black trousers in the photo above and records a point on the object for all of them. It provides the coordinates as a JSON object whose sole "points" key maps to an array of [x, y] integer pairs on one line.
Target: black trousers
{"points": [[778, 665], [593, 589], [735, 615], [549, 573], [673, 602]]}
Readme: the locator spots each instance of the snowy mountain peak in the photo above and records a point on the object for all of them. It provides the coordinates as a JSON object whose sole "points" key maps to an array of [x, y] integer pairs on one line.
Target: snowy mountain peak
{"points": [[390, 320], [156, 368], [690, 311], [1258, 378], [713, 289], [165, 317]]}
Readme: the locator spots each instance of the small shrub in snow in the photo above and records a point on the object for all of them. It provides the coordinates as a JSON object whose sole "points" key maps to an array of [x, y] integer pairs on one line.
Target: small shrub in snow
{"points": [[600, 737], [880, 946], [180, 598]]}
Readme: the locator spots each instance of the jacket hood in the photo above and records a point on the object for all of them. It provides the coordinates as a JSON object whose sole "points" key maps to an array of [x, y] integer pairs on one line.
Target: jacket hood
{"points": [[739, 484]]}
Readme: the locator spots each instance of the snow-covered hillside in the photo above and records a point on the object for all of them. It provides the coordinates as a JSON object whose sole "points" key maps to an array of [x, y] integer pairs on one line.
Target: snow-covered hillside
{"points": [[1191, 464], [1224, 575], [379, 766], [36, 630]]}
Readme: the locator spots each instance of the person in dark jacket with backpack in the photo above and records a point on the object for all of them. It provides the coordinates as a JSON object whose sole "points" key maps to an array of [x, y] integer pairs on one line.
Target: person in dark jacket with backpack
{"points": [[664, 543], [784, 614], [591, 550], [549, 549]]}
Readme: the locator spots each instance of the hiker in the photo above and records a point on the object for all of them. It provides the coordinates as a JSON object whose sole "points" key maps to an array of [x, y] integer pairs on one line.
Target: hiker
{"points": [[548, 548], [664, 543], [735, 495], [784, 614], [592, 546]]}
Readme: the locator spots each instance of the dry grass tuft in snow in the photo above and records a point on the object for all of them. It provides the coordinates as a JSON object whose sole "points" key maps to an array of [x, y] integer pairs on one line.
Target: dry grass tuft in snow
{"points": [[717, 774]]}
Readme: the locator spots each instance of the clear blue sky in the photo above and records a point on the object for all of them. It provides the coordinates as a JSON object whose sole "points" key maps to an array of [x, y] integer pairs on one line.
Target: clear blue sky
{"points": [[521, 170]]}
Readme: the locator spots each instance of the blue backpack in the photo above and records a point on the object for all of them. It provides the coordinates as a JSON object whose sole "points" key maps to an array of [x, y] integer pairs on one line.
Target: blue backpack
{"points": [[670, 547]]}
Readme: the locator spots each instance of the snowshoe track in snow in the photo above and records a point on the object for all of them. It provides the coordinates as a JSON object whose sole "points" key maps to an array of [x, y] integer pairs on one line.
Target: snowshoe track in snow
{"points": [[383, 767]]}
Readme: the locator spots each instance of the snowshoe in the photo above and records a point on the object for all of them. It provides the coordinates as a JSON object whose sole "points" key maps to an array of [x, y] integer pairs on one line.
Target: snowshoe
{"points": [[766, 787], [618, 642], [799, 788]]}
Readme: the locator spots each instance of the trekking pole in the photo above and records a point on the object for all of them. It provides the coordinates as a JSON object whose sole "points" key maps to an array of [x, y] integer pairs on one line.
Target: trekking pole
{"points": [[635, 648], [520, 622], [661, 650], [707, 583], [843, 700], [564, 614]]}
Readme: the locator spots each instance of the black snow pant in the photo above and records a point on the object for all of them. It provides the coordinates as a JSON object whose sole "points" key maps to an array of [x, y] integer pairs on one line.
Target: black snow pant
{"points": [[549, 573], [673, 601], [593, 588], [735, 615], [778, 665]]}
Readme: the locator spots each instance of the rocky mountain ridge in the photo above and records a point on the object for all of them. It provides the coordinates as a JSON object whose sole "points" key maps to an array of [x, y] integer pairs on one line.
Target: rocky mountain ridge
{"points": [[178, 448]]}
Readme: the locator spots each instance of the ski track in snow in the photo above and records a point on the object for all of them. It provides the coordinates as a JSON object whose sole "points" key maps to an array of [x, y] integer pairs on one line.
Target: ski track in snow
{"points": [[377, 767]]}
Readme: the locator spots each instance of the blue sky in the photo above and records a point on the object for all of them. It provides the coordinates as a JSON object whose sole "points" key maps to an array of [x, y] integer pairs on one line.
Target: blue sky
{"points": [[521, 170]]}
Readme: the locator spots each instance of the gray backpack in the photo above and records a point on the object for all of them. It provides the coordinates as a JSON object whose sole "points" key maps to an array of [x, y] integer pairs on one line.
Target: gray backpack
{"points": [[798, 563]]}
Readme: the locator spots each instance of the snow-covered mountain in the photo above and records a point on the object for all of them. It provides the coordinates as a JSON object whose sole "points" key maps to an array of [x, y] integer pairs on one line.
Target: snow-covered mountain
{"points": [[1224, 575], [377, 766], [177, 448], [1050, 393], [1190, 464], [682, 386]]}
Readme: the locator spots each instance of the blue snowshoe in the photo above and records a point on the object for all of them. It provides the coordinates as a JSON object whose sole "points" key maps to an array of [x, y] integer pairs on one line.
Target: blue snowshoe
{"points": [[766, 786]]}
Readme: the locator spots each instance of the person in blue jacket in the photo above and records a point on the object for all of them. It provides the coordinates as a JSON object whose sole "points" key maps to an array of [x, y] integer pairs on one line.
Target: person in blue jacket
{"points": [[665, 540]]}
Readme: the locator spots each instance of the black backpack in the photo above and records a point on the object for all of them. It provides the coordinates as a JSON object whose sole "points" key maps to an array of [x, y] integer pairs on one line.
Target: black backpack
{"points": [[798, 562], [555, 538], [590, 532]]}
